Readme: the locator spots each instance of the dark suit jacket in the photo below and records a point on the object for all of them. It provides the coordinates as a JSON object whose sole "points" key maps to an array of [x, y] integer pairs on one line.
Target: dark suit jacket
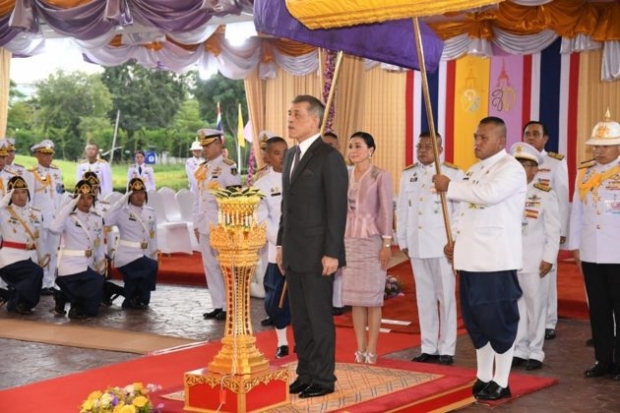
{"points": [[314, 208]]}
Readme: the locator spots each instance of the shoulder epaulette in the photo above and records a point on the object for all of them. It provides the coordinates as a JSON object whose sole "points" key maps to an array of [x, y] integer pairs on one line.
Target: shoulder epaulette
{"points": [[587, 164], [542, 187], [101, 201], [450, 165], [555, 155], [413, 165], [33, 169], [228, 161], [52, 166]]}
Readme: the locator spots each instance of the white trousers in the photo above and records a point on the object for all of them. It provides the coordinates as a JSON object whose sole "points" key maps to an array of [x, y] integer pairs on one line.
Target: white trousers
{"points": [[434, 284], [213, 273], [52, 242], [532, 313], [551, 307]]}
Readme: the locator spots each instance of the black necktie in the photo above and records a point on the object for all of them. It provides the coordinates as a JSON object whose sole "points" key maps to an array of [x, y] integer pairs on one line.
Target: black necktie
{"points": [[139, 170], [296, 159]]}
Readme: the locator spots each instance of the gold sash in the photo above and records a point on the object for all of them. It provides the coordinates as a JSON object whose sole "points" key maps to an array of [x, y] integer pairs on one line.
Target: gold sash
{"points": [[26, 227], [592, 184]]}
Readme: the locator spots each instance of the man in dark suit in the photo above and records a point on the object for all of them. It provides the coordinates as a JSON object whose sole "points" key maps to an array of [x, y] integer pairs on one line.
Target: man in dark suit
{"points": [[311, 243]]}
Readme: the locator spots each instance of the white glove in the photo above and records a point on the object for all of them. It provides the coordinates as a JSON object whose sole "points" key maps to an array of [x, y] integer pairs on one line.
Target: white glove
{"points": [[125, 197], [7, 198]]}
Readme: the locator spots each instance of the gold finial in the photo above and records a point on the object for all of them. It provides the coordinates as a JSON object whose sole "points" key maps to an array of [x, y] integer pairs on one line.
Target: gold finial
{"points": [[607, 116]]}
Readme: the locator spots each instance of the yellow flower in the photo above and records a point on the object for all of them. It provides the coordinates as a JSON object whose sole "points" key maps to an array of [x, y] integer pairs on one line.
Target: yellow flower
{"points": [[87, 405], [119, 407], [128, 409], [140, 401], [138, 386], [94, 395]]}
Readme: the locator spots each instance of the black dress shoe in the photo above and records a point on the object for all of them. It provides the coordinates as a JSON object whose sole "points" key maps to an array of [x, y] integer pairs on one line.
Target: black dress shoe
{"points": [[4, 296], [212, 314], [315, 390], [282, 351], [47, 291], [76, 314], [598, 370], [337, 310], [478, 386], [446, 359], [22, 309], [297, 386], [518, 361], [221, 316], [425, 358], [60, 300], [615, 374], [533, 364], [493, 391], [549, 334], [266, 322]]}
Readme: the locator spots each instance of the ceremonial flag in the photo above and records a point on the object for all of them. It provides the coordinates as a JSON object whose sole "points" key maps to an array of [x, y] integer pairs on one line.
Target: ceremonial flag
{"points": [[218, 122], [240, 134]]}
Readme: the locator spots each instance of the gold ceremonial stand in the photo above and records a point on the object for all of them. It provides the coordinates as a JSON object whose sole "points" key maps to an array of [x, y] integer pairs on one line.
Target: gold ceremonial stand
{"points": [[239, 379]]}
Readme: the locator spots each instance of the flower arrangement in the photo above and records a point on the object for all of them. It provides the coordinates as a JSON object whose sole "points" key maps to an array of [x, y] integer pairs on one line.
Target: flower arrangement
{"points": [[393, 287], [133, 398]]}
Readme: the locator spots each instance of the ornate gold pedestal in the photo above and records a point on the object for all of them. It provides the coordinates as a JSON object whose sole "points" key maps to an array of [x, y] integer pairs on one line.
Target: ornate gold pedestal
{"points": [[239, 379]]}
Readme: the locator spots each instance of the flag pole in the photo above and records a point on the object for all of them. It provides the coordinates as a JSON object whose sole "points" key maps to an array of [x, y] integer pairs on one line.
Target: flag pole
{"points": [[431, 126], [328, 104]]}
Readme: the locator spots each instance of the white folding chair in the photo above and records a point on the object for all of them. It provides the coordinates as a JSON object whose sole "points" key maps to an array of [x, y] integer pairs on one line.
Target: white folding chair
{"points": [[171, 236], [185, 199], [171, 205]]}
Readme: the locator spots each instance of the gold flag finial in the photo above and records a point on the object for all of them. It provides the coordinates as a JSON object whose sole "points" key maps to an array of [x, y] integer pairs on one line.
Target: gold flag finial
{"points": [[607, 115]]}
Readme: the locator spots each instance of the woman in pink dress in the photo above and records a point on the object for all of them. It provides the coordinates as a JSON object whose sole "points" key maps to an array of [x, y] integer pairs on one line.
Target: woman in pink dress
{"points": [[368, 238]]}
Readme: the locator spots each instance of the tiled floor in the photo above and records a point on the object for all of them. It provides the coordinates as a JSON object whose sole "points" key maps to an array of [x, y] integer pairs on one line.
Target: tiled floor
{"points": [[177, 311]]}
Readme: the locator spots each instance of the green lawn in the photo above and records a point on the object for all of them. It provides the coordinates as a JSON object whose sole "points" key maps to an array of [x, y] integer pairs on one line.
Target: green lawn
{"points": [[172, 176]]}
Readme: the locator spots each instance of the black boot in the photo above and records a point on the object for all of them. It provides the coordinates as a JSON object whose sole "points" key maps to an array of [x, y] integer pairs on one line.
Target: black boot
{"points": [[60, 301], [111, 292]]}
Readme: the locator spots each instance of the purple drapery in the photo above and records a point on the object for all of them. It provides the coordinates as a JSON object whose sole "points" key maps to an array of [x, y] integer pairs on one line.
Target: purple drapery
{"points": [[390, 42], [7, 33], [98, 17]]}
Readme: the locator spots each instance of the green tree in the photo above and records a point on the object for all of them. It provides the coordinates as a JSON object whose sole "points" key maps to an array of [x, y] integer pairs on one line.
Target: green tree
{"points": [[185, 125], [63, 100], [147, 99]]}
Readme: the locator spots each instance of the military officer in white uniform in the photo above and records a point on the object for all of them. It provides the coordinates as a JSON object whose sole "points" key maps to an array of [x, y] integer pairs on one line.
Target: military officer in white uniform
{"points": [[192, 163], [17, 168], [81, 258], [541, 242], [553, 172], [20, 228], [136, 252], [142, 171], [269, 212], [594, 239], [92, 163], [422, 236], [111, 290], [488, 252], [47, 196], [216, 171], [6, 173]]}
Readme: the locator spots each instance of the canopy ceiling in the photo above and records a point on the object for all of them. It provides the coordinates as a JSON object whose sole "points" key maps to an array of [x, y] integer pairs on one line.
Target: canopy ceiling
{"points": [[176, 35]]}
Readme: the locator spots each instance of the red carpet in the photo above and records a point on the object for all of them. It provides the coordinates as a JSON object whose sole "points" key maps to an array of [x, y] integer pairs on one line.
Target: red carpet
{"points": [[66, 393]]}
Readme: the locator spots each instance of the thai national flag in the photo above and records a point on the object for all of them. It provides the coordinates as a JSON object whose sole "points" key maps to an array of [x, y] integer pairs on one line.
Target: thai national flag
{"points": [[218, 122]]}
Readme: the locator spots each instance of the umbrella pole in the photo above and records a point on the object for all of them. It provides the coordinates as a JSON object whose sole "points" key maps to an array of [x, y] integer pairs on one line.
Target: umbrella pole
{"points": [[328, 105], [431, 126]]}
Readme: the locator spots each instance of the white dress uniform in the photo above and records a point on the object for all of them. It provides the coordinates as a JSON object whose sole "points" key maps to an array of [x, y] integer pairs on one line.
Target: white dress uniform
{"points": [[143, 172], [137, 231], [81, 255], [220, 172], [541, 240], [492, 197], [595, 233], [21, 235], [20, 226], [553, 172], [420, 229], [270, 184], [48, 196], [103, 171], [190, 166]]}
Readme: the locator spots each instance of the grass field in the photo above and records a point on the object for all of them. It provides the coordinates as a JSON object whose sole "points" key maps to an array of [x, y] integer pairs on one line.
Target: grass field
{"points": [[172, 176]]}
